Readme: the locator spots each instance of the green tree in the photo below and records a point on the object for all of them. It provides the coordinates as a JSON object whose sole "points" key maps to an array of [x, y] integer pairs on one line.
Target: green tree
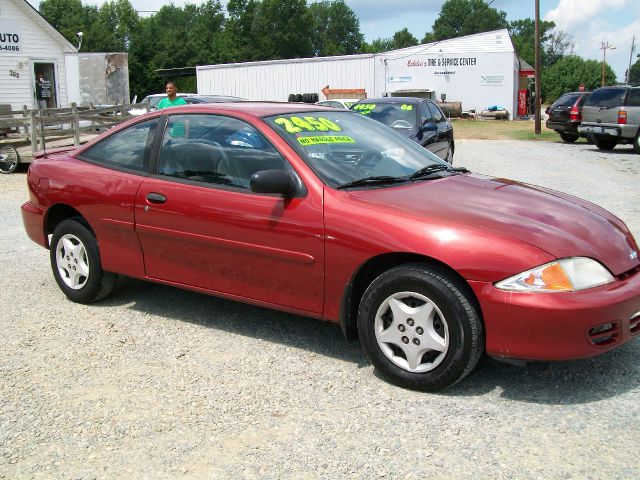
{"points": [[569, 72], [281, 29], [335, 29], [238, 33], [403, 38], [634, 73], [523, 37], [378, 45], [68, 17], [465, 17]]}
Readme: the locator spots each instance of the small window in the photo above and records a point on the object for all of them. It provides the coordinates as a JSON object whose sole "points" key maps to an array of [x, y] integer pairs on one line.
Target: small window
{"points": [[215, 149], [607, 97], [566, 100], [426, 115], [438, 116], [634, 97], [128, 148]]}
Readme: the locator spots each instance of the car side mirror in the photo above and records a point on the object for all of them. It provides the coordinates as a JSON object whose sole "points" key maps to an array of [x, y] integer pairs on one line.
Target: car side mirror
{"points": [[272, 181], [428, 126]]}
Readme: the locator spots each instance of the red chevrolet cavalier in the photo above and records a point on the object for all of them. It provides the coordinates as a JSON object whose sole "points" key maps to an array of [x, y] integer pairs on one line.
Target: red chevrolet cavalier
{"points": [[332, 215]]}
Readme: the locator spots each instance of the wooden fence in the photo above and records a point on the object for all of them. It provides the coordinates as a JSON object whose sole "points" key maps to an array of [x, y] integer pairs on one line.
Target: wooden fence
{"points": [[37, 126]]}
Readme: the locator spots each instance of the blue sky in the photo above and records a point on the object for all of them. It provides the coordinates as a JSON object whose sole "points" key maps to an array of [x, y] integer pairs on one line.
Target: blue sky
{"points": [[589, 22]]}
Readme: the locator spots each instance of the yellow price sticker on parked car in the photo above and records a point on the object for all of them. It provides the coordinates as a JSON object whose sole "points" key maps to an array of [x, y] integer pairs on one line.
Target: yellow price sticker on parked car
{"points": [[364, 108], [296, 124], [406, 107], [306, 141]]}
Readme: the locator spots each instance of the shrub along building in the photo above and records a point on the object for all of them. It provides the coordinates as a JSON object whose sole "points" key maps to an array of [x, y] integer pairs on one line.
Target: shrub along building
{"points": [[480, 71], [40, 68]]}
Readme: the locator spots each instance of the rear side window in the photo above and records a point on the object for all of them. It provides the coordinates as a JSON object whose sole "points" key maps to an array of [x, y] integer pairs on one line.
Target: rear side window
{"points": [[634, 98], [128, 148], [566, 100], [607, 97]]}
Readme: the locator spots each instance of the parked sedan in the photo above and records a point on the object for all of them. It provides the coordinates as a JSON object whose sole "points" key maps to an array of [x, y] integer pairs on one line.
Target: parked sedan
{"points": [[419, 119], [565, 115], [332, 215]]}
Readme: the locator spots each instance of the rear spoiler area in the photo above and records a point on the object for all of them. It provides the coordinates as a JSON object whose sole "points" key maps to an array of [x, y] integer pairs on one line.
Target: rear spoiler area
{"points": [[49, 151]]}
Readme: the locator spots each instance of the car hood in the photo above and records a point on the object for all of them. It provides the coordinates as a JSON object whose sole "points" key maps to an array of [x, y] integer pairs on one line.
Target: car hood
{"points": [[561, 225]]}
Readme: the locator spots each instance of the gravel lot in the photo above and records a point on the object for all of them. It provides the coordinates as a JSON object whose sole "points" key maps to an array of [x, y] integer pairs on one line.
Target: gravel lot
{"points": [[157, 382]]}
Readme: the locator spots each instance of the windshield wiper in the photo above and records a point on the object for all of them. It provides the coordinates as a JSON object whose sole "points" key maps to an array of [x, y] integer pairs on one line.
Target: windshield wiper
{"points": [[435, 168], [377, 180]]}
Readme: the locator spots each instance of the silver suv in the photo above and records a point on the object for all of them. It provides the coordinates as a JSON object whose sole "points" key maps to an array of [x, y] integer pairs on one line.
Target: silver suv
{"points": [[611, 116]]}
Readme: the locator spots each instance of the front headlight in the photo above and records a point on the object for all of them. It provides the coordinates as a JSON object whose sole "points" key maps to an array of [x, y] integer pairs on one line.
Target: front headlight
{"points": [[566, 275]]}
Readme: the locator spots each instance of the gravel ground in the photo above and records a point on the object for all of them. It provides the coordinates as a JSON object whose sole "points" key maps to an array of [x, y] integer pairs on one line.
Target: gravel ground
{"points": [[156, 382]]}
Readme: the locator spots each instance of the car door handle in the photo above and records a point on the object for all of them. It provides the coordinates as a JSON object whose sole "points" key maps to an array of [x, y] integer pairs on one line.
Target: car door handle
{"points": [[156, 197]]}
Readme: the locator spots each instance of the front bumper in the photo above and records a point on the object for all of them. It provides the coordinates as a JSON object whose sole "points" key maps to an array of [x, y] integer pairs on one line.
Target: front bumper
{"points": [[560, 326]]}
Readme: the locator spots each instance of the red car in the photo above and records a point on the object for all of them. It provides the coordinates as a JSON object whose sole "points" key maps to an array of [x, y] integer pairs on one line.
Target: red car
{"points": [[333, 215]]}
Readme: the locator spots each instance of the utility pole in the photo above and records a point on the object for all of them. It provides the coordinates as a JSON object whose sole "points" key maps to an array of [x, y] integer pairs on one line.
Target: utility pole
{"points": [[538, 120], [605, 46], [633, 47]]}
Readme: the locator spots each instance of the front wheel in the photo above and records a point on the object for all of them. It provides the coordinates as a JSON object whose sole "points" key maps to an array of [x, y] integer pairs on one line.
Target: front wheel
{"points": [[605, 143], [420, 327], [75, 261], [9, 159], [449, 157]]}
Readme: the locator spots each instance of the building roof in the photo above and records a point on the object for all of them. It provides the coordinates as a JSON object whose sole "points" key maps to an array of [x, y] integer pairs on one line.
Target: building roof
{"points": [[39, 19]]}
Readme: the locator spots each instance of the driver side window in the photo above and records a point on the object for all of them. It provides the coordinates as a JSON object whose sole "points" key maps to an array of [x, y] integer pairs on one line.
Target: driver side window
{"points": [[215, 149], [425, 113]]}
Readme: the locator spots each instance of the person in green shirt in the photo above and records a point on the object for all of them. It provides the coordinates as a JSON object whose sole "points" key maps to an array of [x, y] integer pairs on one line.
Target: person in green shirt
{"points": [[172, 99]]}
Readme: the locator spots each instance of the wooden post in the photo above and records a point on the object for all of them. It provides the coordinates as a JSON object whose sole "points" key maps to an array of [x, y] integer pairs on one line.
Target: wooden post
{"points": [[42, 128], [34, 132], [25, 114], [75, 124]]}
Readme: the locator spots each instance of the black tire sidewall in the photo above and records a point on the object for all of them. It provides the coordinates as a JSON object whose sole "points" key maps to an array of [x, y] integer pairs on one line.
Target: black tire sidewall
{"points": [[636, 142], [568, 137], [605, 143], [454, 365], [91, 288]]}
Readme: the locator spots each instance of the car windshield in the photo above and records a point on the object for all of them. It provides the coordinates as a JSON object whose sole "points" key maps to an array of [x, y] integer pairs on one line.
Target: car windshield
{"points": [[396, 115], [342, 147]]}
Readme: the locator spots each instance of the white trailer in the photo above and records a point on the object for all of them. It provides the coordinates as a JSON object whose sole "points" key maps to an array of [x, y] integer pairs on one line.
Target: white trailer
{"points": [[478, 70]]}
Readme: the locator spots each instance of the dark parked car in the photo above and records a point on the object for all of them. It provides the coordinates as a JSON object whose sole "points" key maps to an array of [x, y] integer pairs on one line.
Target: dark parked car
{"points": [[611, 116], [565, 115], [419, 119], [328, 214]]}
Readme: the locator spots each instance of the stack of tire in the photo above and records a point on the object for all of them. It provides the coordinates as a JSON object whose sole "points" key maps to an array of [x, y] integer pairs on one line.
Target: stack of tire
{"points": [[303, 97]]}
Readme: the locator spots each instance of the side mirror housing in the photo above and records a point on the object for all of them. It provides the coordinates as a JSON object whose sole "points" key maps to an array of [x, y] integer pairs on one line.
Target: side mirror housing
{"points": [[429, 127], [272, 181]]}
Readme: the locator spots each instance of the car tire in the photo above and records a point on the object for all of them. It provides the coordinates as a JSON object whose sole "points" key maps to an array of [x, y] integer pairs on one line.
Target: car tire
{"points": [[420, 327], [9, 159], [75, 261], [449, 157], [636, 143], [568, 137], [605, 143]]}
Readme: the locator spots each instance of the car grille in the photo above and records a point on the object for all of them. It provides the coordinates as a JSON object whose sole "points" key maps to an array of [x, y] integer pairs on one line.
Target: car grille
{"points": [[604, 335]]}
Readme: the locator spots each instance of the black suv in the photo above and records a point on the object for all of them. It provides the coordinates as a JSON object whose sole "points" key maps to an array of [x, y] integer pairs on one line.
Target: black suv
{"points": [[565, 115], [611, 116]]}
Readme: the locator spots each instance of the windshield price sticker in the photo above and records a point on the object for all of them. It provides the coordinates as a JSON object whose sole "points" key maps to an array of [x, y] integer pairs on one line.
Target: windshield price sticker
{"points": [[309, 124], [306, 141], [406, 107], [364, 107]]}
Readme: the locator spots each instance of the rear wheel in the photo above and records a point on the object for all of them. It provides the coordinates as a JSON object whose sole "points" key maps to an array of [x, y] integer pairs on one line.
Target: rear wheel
{"points": [[75, 261], [568, 137], [605, 143], [636, 143], [420, 328]]}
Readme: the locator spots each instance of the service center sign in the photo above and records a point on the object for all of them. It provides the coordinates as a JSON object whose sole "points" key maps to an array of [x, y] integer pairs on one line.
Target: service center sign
{"points": [[10, 37], [444, 65]]}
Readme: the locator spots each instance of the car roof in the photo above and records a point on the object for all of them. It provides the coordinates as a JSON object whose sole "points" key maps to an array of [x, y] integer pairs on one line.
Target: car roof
{"points": [[218, 98], [395, 100], [257, 109]]}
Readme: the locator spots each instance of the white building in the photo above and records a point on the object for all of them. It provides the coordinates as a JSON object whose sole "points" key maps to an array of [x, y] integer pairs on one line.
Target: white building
{"points": [[30, 46], [480, 70]]}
